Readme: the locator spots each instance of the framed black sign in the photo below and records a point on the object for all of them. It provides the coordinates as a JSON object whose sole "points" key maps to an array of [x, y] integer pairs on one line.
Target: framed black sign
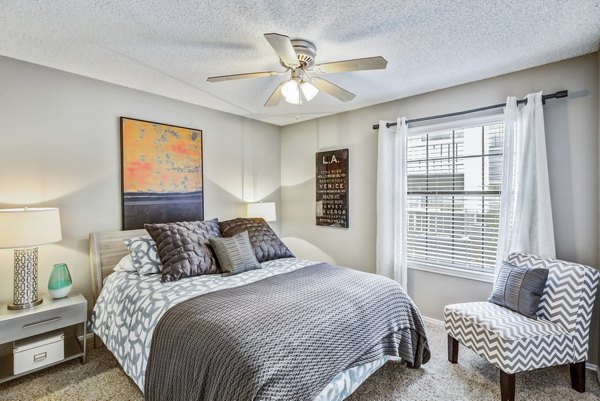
{"points": [[332, 188]]}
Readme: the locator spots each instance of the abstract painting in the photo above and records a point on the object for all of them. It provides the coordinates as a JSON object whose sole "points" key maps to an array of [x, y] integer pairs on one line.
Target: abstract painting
{"points": [[161, 173]]}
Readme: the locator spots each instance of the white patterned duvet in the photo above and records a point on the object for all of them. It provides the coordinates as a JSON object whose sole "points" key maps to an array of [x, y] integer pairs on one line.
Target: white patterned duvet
{"points": [[130, 306]]}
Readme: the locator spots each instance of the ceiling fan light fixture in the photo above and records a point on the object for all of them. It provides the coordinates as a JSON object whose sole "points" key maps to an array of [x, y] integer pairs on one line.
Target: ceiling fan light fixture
{"points": [[308, 90], [291, 91], [294, 99]]}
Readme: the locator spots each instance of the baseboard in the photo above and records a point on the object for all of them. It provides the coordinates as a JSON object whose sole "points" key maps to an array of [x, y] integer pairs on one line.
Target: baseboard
{"points": [[588, 365], [88, 337], [432, 320]]}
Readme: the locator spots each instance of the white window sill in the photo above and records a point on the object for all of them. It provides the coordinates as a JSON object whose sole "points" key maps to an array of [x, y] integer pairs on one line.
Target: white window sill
{"points": [[487, 277]]}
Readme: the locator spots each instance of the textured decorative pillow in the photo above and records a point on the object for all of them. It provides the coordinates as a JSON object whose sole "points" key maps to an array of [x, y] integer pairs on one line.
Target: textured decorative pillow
{"points": [[184, 249], [266, 244], [125, 265], [144, 254], [519, 288], [235, 254]]}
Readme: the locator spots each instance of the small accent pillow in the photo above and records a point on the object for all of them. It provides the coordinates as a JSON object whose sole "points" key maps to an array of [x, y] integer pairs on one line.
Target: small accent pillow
{"points": [[519, 288], [266, 244], [235, 254], [144, 254], [184, 249], [125, 265]]}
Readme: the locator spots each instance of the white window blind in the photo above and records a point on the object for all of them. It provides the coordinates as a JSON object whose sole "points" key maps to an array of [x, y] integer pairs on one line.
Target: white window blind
{"points": [[453, 196]]}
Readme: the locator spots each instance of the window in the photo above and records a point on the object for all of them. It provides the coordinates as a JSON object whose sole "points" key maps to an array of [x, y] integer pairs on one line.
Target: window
{"points": [[453, 195]]}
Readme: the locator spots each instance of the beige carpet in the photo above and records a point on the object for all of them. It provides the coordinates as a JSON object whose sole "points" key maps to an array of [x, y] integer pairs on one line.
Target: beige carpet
{"points": [[472, 379]]}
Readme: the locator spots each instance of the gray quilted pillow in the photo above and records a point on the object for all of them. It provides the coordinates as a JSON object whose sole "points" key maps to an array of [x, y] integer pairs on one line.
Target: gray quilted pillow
{"points": [[519, 288], [184, 249], [235, 254], [144, 255], [266, 244]]}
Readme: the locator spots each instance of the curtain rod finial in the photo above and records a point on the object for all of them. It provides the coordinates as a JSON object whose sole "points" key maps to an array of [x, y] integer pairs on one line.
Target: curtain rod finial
{"points": [[560, 94]]}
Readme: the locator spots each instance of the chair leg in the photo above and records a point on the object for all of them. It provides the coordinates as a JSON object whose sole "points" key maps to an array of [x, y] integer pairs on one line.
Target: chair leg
{"points": [[507, 386], [578, 376], [452, 349]]}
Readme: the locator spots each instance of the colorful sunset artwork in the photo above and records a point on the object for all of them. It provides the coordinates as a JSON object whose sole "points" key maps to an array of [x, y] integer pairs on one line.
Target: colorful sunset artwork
{"points": [[161, 173]]}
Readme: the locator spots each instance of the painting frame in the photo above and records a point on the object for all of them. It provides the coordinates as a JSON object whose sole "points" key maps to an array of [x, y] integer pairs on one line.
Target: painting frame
{"points": [[136, 213]]}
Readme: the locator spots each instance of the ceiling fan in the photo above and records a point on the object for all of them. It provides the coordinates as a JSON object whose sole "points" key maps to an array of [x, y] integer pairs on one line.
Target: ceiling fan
{"points": [[298, 57]]}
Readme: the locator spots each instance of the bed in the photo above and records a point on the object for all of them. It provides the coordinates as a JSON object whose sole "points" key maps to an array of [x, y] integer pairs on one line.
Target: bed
{"points": [[129, 307]]}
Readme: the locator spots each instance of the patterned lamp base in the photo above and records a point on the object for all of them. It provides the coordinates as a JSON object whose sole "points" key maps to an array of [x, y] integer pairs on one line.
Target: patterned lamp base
{"points": [[26, 280]]}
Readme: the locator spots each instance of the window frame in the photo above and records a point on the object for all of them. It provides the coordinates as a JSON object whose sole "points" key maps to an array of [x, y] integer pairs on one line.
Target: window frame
{"points": [[473, 274]]}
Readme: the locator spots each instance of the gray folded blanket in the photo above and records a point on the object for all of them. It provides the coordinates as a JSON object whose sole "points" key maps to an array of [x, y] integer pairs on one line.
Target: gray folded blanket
{"points": [[282, 338]]}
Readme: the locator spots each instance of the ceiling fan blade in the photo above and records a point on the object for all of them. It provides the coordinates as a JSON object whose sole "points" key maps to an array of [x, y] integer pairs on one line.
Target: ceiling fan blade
{"points": [[284, 49], [241, 76], [359, 64], [276, 96], [332, 89]]}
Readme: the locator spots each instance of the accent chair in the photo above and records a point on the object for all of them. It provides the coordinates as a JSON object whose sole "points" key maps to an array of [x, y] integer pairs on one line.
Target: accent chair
{"points": [[515, 343]]}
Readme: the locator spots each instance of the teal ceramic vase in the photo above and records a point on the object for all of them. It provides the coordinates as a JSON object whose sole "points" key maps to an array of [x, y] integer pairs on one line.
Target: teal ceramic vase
{"points": [[60, 282]]}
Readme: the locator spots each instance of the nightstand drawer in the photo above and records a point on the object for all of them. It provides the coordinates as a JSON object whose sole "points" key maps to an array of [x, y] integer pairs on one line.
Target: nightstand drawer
{"points": [[37, 323]]}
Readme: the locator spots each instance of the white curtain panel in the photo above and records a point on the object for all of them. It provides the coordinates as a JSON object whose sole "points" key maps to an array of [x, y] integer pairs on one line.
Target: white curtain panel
{"points": [[391, 201], [525, 211]]}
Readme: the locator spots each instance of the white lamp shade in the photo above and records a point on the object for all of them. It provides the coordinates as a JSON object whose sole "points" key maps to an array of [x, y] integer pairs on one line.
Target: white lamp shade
{"points": [[29, 227], [266, 210], [309, 91], [290, 91], [290, 88]]}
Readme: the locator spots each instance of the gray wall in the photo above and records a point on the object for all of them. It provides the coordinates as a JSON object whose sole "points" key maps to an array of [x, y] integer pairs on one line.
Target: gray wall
{"points": [[60, 147], [572, 140], [597, 320]]}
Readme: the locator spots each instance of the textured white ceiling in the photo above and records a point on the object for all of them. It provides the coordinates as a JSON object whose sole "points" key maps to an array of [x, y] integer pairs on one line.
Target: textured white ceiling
{"points": [[171, 47]]}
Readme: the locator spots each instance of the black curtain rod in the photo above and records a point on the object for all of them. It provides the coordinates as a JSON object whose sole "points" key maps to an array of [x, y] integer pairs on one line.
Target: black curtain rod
{"points": [[555, 95]]}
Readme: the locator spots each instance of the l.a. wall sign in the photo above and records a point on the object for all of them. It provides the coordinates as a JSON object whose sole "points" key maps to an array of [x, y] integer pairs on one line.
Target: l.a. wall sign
{"points": [[332, 188]]}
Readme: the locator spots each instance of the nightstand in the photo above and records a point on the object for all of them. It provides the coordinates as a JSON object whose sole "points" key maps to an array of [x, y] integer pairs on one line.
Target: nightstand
{"points": [[19, 326]]}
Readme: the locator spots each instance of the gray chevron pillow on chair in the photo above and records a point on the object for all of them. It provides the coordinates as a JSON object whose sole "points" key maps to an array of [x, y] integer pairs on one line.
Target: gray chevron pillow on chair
{"points": [[519, 288]]}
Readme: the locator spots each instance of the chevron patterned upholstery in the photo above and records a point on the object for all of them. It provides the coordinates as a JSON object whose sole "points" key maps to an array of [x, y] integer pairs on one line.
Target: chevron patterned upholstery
{"points": [[515, 343], [568, 297], [506, 338]]}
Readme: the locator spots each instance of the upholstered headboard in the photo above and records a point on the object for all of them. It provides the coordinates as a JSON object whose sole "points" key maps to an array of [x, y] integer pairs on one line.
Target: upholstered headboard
{"points": [[106, 249]]}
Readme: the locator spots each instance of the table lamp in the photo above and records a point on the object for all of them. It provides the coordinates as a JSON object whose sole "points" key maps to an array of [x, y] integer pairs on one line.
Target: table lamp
{"points": [[24, 230], [266, 210]]}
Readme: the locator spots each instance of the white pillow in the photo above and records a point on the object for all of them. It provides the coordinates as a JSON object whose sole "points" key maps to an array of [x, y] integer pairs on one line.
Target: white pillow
{"points": [[125, 265]]}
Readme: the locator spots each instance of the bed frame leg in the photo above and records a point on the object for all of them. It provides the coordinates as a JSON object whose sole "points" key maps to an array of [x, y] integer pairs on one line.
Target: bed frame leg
{"points": [[97, 342]]}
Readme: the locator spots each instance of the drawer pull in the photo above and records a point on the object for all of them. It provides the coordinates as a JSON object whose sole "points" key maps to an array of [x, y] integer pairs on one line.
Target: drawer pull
{"points": [[54, 319], [40, 357]]}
